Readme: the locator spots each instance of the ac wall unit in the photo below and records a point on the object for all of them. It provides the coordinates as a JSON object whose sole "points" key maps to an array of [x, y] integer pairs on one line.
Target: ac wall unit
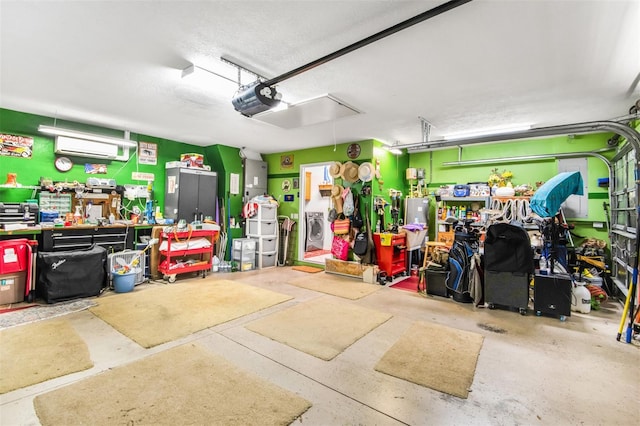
{"points": [[85, 148]]}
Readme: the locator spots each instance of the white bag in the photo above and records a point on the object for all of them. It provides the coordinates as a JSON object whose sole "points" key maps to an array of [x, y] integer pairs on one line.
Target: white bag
{"points": [[348, 206]]}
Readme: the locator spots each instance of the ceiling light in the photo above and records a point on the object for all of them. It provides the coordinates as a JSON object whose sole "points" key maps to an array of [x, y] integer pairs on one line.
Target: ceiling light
{"points": [[195, 71], [486, 132], [87, 136]]}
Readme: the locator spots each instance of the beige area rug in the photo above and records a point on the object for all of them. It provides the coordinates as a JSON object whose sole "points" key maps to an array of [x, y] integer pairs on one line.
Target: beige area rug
{"points": [[179, 386], [37, 352], [155, 315], [309, 269], [435, 356], [322, 327], [337, 286]]}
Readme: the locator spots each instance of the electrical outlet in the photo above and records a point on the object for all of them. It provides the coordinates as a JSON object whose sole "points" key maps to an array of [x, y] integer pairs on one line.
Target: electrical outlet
{"points": [[132, 192]]}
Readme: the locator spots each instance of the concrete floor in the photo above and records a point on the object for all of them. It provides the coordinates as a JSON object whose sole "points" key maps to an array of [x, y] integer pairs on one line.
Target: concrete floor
{"points": [[531, 370]]}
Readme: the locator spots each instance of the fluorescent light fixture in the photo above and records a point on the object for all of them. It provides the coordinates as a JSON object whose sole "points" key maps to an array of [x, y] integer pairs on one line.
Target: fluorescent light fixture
{"points": [[196, 71], [487, 132], [57, 131]]}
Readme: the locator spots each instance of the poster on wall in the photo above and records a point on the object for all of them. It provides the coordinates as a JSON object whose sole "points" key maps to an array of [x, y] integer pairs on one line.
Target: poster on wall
{"points": [[147, 153], [16, 145], [286, 161], [95, 169]]}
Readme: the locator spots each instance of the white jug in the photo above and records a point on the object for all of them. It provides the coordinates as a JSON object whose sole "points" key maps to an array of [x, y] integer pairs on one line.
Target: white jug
{"points": [[580, 298]]}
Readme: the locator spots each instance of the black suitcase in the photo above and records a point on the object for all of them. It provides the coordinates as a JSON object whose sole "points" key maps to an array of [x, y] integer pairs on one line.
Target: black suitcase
{"points": [[66, 275]]}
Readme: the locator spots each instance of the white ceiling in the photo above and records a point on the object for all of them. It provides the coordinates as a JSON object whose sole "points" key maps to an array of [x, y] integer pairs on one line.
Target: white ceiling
{"points": [[485, 64]]}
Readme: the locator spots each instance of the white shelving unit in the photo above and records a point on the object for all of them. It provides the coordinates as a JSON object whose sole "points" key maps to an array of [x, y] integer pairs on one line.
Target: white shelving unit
{"points": [[264, 228]]}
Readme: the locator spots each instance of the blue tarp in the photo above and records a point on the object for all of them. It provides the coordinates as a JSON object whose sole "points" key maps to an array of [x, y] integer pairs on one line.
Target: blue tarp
{"points": [[547, 199]]}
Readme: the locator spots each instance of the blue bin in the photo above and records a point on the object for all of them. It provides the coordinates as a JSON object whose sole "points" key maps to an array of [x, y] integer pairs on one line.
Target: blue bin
{"points": [[123, 283]]}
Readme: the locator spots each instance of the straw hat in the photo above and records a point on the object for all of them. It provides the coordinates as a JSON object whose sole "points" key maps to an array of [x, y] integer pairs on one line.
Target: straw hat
{"points": [[349, 171], [334, 169], [365, 172], [336, 197]]}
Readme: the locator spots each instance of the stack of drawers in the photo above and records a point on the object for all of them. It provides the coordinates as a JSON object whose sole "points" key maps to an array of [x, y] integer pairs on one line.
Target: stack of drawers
{"points": [[263, 227], [244, 252]]}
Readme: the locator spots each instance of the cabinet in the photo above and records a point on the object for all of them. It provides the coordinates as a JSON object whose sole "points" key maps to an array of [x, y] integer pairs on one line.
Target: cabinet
{"points": [[190, 194], [263, 227], [391, 253], [460, 208], [185, 251]]}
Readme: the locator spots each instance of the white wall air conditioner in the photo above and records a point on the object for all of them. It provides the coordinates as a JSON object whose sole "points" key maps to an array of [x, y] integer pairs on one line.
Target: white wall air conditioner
{"points": [[85, 148]]}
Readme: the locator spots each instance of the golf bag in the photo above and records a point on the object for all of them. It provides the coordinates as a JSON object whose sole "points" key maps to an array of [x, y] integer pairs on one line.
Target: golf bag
{"points": [[465, 246]]}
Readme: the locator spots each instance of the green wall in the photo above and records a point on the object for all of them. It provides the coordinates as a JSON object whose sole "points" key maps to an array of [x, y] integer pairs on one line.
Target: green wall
{"points": [[391, 170], [225, 160], [524, 172]]}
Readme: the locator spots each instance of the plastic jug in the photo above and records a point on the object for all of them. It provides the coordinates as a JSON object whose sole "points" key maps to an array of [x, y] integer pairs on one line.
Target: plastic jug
{"points": [[580, 298]]}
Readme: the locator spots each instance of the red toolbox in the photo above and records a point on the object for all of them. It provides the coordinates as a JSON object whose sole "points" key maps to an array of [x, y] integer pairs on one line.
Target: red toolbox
{"points": [[15, 270]]}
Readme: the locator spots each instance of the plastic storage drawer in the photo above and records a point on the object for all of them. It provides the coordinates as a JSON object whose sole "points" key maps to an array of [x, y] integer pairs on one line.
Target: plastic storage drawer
{"points": [[269, 244], [268, 259], [244, 244], [262, 227], [268, 211]]}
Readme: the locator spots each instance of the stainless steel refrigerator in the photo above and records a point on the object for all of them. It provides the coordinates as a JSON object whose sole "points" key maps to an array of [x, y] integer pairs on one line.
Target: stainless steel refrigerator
{"points": [[255, 178], [416, 209]]}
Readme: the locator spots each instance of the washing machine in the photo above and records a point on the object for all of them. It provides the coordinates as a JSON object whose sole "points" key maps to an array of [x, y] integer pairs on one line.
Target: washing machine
{"points": [[315, 231]]}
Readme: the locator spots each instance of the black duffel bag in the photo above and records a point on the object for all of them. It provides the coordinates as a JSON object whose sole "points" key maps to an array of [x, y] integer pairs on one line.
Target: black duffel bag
{"points": [[66, 275]]}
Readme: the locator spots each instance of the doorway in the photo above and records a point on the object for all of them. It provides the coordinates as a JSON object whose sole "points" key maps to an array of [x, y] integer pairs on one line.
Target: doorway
{"points": [[315, 236]]}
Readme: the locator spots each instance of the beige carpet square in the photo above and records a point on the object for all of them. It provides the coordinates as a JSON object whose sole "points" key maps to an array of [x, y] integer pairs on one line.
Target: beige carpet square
{"points": [[435, 356], [347, 288], [36, 352], [155, 315], [322, 327], [179, 386]]}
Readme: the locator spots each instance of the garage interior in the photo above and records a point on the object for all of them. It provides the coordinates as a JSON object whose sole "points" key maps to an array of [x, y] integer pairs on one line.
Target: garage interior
{"points": [[268, 109]]}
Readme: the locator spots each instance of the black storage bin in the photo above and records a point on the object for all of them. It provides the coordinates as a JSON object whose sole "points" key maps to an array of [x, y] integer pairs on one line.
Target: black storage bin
{"points": [[436, 283], [509, 289], [66, 275], [552, 295]]}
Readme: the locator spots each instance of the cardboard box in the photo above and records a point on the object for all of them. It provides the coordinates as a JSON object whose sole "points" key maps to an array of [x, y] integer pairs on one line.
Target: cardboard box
{"points": [[12, 287]]}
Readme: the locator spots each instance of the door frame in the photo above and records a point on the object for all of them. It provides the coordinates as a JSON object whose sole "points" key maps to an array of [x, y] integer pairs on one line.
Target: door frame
{"points": [[302, 220]]}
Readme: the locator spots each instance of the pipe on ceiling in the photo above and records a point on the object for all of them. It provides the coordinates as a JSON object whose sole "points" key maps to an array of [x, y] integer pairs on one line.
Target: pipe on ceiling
{"points": [[623, 130], [536, 157], [368, 40]]}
